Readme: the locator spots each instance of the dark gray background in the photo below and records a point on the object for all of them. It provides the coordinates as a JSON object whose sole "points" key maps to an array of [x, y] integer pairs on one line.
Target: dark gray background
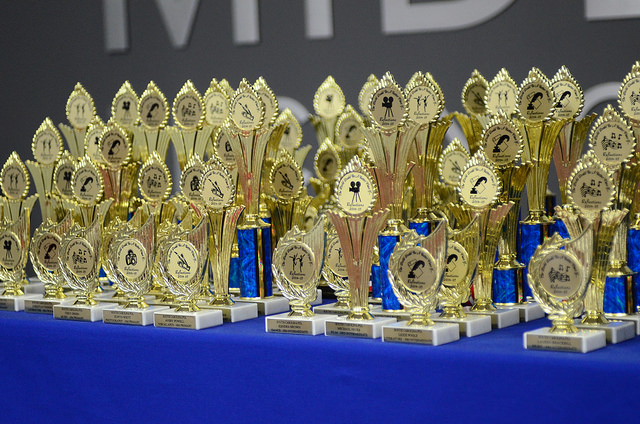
{"points": [[50, 45]]}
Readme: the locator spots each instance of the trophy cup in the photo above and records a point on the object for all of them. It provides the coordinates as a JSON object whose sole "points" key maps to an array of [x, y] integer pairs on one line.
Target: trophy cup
{"points": [[612, 142], [79, 261], [479, 189], [473, 100], [43, 252], [502, 145], [328, 103], [629, 103], [335, 274], [249, 137], [80, 112], [14, 238], [536, 102], [297, 263], [47, 148], [153, 114], [460, 266], [559, 274], [592, 191], [182, 265], [357, 229], [218, 192], [389, 140], [568, 147], [189, 137], [416, 269], [425, 102], [130, 261]]}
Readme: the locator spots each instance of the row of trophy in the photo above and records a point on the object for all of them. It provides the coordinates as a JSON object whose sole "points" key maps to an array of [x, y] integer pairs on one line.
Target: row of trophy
{"points": [[399, 226]]}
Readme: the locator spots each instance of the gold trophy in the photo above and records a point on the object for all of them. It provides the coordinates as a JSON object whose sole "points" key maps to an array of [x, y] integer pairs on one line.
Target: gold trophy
{"points": [[328, 103], [335, 274], [536, 101], [559, 274], [460, 266], [389, 141], [15, 183], [450, 165], [249, 136], [480, 188], [292, 137], [80, 112], [130, 259], [297, 264], [357, 229], [182, 262], [43, 252], [79, 261], [425, 103], [47, 149], [473, 100], [592, 191], [218, 192], [153, 114], [416, 268]]}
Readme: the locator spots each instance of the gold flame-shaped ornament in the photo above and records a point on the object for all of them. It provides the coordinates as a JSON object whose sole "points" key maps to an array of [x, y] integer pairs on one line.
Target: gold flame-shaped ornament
{"points": [[247, 110], [474, 93], [154, 180], [366, 91], [269, 100], [568, 94], [387, 106], [629, 95], [80, 108], [44, 251], [216, 104], [124, 107], [188, 108], [329, 100], [502, 94], [536, 99], [153, 108], [425, 100], [591, 188], [611, 139]]}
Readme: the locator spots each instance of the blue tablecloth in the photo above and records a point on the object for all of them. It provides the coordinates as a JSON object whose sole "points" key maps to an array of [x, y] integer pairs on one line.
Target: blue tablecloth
{"points": [[62, 371]]}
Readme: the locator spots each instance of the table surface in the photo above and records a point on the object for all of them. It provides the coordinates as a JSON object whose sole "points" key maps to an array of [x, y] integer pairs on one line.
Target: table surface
{"points": [[54, 371]]}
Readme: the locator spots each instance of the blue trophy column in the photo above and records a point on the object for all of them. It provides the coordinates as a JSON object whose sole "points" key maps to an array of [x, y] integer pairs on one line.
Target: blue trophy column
{"points": [[616, 294], [422, 228], [386, 244], [531, 236], [376, 284], [633, 259], [254, 246]]}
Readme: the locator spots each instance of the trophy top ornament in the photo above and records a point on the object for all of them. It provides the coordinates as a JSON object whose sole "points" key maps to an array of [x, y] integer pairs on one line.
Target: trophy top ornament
{"points": [[269, 100], [247, 110], [479, 185], [87, 184], [124, 107], [387, 106], [502, 94], [14, 178], [80, 108], [365, 94], [474, 93], [188, 108], [191, 179], [629, 93], [355, 190], [329, 100], [451, 162], [349, 129], [115, 146], [218, 189], [154, 179], [47, 144], [568, 94], [611, 139], [286, 179], [326, 162], [92, 138], [591, 187], [216, 102], [536, 99], [292, 136], [153, 108], [501, 141], [425, 100]]}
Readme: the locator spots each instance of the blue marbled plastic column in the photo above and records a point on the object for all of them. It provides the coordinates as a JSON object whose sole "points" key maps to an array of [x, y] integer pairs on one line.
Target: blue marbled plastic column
{"points": [[633, 261], [253, 273], [615, 295], [235, 274], [558, 227], [422, 228], [386, 244], [376, 285], [504, 289], [531, 236]]}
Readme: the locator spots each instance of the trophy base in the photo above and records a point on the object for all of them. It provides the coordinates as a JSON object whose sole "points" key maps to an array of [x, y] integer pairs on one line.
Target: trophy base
{"points": [[189, 320], [364, 329], [616, 331], [108, 297], [331, 309], [15, 303], [236, 312], [634, 318], [267, 306], [500, 318], [283, 323], [317, 301], [469, 326], [81, 312], [529, 311], [375, 301], [34, 287], [131, 316], [45, 306], [583, 341], [436, 334]]}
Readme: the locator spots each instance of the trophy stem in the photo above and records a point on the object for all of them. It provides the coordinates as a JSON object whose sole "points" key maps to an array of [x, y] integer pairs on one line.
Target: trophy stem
{"points": [[452, 311], [633, 255], [135, 302], [420, 317], [618, 294], [563, 325], [186, 304], [386, 243], [300, 309], [359, 313], [85, 298], [223, 299], [12, 289], [254, 244], [54, 291]]}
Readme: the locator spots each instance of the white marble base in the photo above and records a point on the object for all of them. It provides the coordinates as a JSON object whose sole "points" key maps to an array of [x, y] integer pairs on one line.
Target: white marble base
{"points": [[81, 312], [583, 341], [329, 308], [617, 331], [234, 313], [318, 300], [436, 334], [204, 318], [401, 315], [529, 311], [34, 287], [131, 316], [268, 306], [283, 323], [39, 305], [635, 318], [470, 326], [501, 318], [15, 303], [367, 329]]}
